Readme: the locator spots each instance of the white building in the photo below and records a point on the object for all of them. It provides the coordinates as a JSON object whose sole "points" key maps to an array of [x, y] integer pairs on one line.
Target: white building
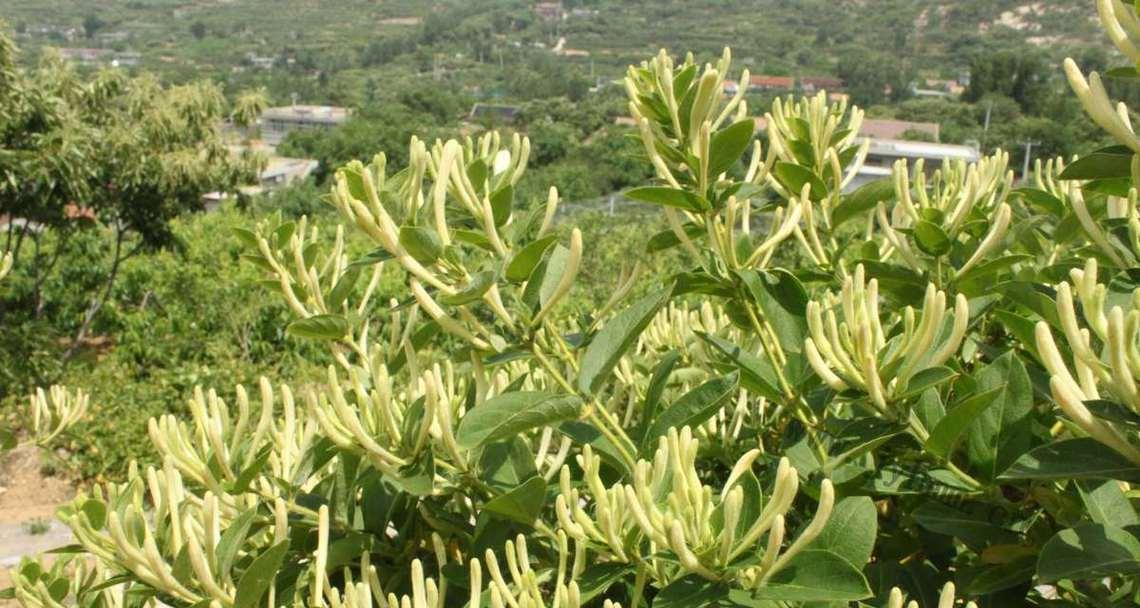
{"points": [[883, 153], [280, 171], [278, 122]]}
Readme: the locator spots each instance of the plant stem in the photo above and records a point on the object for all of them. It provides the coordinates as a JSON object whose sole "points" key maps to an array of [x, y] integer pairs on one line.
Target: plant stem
{"points": [[922, 435], [597, 412]]}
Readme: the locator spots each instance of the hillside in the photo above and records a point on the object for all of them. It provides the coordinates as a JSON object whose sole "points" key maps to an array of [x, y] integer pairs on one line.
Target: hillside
{"points": [[237, 41]]}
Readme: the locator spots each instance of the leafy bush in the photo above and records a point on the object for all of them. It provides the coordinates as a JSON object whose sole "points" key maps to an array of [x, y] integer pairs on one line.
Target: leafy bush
{"points": [[940, 395]]}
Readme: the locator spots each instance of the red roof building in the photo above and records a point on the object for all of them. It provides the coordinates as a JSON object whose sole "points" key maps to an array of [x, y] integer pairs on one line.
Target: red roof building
{"points": [[761, 82]]}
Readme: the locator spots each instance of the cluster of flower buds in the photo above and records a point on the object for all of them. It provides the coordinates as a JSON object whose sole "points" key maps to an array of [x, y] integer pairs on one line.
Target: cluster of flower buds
{"points": [[821, 138], [946, 599], [668, 506], [1047, 177], [957, 195], [676, 327], [854, 353], [1121, 23], [318, 285], [54, 411], [408, 218], [1111, 361], [216, 449], [819, 135], [681, 139], [147, 523], [37, 585], [656, 90], [520, 586], [368, 417], [1118, 210]]}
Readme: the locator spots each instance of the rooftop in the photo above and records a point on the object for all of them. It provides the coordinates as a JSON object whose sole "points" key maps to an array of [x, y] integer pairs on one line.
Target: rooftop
{"points": [[880, 128], [920, 149], [304, 113], [493, 112]]}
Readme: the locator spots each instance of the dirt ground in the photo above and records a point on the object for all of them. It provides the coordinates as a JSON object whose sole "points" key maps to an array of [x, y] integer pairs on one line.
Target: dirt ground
{"points": [[28, 499]]}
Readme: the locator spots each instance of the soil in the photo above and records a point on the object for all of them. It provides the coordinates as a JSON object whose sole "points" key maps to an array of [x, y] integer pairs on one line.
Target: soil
{"points": [[29, 495]]}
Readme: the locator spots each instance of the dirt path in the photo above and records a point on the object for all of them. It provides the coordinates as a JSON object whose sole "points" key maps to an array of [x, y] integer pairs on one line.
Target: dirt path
{"points": [[28, 499]]}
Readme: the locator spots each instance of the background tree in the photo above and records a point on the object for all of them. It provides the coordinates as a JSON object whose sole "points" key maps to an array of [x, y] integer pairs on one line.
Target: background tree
{"points": [[92, 24], [126, 153], [1018, 74], [248, 108], [198, 30]]}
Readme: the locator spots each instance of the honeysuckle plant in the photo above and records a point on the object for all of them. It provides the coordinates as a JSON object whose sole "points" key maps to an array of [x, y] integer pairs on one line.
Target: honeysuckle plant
{"points": [[956, 218], [814, 411]]}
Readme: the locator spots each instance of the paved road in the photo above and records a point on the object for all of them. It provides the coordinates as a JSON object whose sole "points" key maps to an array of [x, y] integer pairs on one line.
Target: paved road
{"points": [[15, 542]]}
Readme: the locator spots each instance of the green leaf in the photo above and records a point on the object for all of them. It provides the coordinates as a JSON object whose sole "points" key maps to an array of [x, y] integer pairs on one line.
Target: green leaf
{"points": [[422, 243], [501, 203], [793, 177], [1002, 433], [521, 504], [584, 433], [8, 440], [850, 532], [667, 239], [1041, 200], [977, 531], [1089, 551], [259, 576], [957, 420], [477, 172], [372, 258], [96, 512], [757, 375], [1122, 71], [1080, 458], [417, 477], [987, 270], [816, 575], [931, 238], [597, 578], [783, 300], [656, 387], [1110, 162], [1113, 412], [319, 327], [669, 197], [728, 145], [928, 378], [246, 236], [545, 277], [691, 591], [694, 407], [1107, 504], [283, 233], [473, 237], [232, 539], [353, 174], [865, 198], [478, 285], [506, 415], [524, 261], [504, 465], [615, 338], [1001, 576], [343, 287], [899, 282]]}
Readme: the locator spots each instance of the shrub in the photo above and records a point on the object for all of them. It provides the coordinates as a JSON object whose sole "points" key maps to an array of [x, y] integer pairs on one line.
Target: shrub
{"points": [[941, 393]]}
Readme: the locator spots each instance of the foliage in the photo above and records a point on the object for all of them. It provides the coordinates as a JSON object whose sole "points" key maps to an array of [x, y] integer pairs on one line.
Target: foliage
{"points": [[125, 153], [938, 394]]}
